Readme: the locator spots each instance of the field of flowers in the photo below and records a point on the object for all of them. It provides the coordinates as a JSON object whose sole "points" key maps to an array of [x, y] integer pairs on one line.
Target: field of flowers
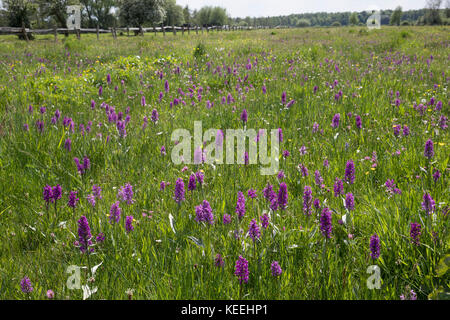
{"points": [[87, 182]]}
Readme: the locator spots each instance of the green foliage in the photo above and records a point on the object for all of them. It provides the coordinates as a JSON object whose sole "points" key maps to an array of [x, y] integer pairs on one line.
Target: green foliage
{"points": [[302, 23], [141, 12], [174, 14], [213, 16], [169, 255], [396, 16], [199, 51], [353, 20]]}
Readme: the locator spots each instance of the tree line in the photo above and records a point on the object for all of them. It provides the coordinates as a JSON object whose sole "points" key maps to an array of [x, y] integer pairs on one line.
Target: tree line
{"points": [[39, 14], [147, 13]]}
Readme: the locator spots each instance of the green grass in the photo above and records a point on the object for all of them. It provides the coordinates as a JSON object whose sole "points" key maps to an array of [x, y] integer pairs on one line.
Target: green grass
{"points": [[158, 263]]}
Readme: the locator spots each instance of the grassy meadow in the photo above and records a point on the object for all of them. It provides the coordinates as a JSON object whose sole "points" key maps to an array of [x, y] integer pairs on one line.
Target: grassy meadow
{"points": [[94, 100]]}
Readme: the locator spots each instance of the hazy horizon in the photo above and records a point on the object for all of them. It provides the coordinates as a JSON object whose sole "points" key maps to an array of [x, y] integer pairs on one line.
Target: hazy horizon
{"points": [[264, 8]]}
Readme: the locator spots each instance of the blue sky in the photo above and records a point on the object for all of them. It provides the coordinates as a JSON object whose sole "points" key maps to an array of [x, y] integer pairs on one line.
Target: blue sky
{"points": [[258, 8]]}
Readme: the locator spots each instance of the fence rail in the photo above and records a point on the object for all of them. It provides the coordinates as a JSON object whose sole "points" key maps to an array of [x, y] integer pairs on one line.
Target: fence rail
{"points": [[27, 32]]}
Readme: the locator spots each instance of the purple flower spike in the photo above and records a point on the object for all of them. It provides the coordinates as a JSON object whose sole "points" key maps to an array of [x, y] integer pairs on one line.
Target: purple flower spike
{"points": [[84, 234], [275, 269], [241, 270], [374, 247]]}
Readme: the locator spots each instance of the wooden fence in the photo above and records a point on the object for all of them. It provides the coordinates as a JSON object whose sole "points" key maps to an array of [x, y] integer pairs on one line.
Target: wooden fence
{"points": [[26, 33]]}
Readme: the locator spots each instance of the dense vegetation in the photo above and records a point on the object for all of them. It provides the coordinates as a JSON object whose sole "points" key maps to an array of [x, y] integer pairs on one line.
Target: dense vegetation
{"points": [[363, 161]]}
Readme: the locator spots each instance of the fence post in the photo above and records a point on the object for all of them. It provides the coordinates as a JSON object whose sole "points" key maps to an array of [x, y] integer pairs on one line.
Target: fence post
{"points": [[55, 31], [24, 31], [174, 30], [154, 30], [163, 29], [78, 33], [182, 30], [128, 31], [98, 32], [196, 29]]}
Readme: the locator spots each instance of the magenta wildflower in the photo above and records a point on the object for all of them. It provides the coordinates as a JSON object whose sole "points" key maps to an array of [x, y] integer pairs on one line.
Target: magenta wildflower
{"points": [[350, 172], [100, 238], [307, 199], [191, 183], [125, 194], [268, 192], [200, 177], [91, 199], [121, 128], [274, 203], [429, 149], [204, 213], [315, 127], [275, 269], [304, 170], [358, 122], [415, 233], [405, 130], [97, 191], [50, 294], [84, 234], [349, 201], [240, 205], [241, 270], [264, 220], [251, 193], [318, 178], [335, 121], [338, 187], [391, 187], [325, 223], [316, 204], [226, 219], [47, 195], [179, 191], [73, 200], [129, 224], [436, 175], [280, 135], [82, 167], [283, 97], [253, 231], [56, 192], [282, 198], [166, 86], [114, 213], [244, 116], [397, 129], [155, 115], [374, 246], [428, 204], [290, 103], [68, 144], [26, 286], [443, 122]]}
